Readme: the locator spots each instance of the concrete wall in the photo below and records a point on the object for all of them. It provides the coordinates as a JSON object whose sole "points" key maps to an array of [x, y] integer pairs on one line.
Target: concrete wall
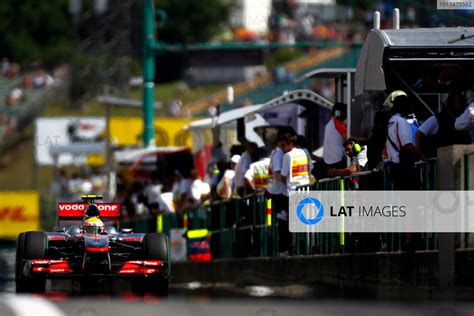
{"points": [[452, 176], [376, 273], [451, 168]]}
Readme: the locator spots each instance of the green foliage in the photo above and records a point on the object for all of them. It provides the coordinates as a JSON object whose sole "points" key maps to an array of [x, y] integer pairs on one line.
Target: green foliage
{"points": [[363, 4], [191, 21], [33, 30], [282, 56]]}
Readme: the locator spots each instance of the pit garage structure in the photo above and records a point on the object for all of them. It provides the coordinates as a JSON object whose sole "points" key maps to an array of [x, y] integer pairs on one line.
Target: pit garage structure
{"points": [[427, 63]]}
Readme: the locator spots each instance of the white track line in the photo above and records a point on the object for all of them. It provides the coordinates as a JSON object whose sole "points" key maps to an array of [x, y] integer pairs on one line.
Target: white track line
{"points": [[23, 305]]}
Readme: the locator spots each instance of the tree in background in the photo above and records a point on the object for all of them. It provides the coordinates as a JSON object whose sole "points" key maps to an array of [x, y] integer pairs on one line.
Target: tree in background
{"points": [[191, 21], [32, 30]]}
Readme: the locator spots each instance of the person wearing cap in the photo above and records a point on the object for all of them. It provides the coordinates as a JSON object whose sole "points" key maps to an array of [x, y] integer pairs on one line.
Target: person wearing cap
{"points": [[439, 130], [224, 187], [335, 134], [402, 152], [256, 178]]}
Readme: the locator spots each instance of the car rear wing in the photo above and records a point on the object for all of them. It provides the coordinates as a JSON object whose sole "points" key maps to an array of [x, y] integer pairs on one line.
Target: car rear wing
{"points": [[74, 211]]}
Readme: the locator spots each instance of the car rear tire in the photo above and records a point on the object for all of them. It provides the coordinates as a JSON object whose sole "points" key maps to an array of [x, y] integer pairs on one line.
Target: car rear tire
{"points": [[19, 256], [30, 245], [155, 247]]}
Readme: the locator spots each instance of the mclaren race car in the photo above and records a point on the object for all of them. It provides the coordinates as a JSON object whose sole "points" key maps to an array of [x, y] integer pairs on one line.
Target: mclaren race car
{"points": [[88, 245]]}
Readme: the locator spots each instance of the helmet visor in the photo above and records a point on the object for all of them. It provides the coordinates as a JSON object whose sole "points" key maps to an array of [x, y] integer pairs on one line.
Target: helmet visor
{"points": [[93, 230]]}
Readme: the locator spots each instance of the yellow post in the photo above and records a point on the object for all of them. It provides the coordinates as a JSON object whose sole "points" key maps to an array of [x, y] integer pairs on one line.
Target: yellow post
{"points": [[269, 212], [159, 223]]}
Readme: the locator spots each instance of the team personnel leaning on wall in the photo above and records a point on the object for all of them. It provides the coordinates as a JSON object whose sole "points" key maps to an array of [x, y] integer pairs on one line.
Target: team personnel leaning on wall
{"points": [[439, 130]]}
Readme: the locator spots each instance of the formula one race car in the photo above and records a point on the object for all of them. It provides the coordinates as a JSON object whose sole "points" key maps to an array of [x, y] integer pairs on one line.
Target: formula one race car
{"points": [[88, 245]]}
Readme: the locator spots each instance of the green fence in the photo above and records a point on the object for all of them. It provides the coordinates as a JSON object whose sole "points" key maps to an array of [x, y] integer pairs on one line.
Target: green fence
{"points": [[241, 227], [238, 227], [247, 228]]}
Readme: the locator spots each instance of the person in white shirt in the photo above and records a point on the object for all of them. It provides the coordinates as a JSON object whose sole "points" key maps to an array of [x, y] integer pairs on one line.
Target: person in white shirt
{"points": [[441, 127], [224, 187], [242, 166], [402, 153], [294, 173], [358, 155], [276, 186], [155, 202], [199, 190], [334, 136], [465, 122], [181, 191]]}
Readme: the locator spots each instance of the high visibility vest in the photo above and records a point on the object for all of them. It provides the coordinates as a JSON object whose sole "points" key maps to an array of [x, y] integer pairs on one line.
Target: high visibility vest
{"points": [[261, 173], [299, 174]]}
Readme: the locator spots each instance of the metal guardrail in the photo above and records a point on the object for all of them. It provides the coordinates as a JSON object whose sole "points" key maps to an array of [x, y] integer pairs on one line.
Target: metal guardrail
{"points": [[378, 179], [242, 228]]}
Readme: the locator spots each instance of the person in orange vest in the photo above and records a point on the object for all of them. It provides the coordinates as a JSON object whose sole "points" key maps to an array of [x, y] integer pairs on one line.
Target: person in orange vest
{"points": [[294, 173], [256, 177]]}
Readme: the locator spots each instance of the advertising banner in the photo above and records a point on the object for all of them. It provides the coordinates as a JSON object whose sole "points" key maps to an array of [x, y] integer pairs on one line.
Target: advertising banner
{"points": [[64, 131], [177, 245], [77, 132], [19, 212], [168, 131]]}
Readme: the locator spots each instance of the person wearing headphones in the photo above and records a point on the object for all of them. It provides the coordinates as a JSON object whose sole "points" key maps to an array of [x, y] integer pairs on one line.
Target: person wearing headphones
{"points": [[357, 153]]}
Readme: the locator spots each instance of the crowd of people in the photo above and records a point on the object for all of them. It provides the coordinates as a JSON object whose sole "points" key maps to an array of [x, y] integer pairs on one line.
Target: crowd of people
{"points": [[71, 185], [18, 83], [397, 141], [36, 78]]}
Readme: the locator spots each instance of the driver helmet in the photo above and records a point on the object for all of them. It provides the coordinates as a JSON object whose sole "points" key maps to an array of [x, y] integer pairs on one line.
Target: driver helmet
{"points": [[93, 226]]}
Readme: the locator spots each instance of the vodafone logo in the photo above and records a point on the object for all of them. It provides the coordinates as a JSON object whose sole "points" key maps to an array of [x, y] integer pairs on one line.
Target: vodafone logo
{"points": [[78, 209], [72, 206], [108, 207]]}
